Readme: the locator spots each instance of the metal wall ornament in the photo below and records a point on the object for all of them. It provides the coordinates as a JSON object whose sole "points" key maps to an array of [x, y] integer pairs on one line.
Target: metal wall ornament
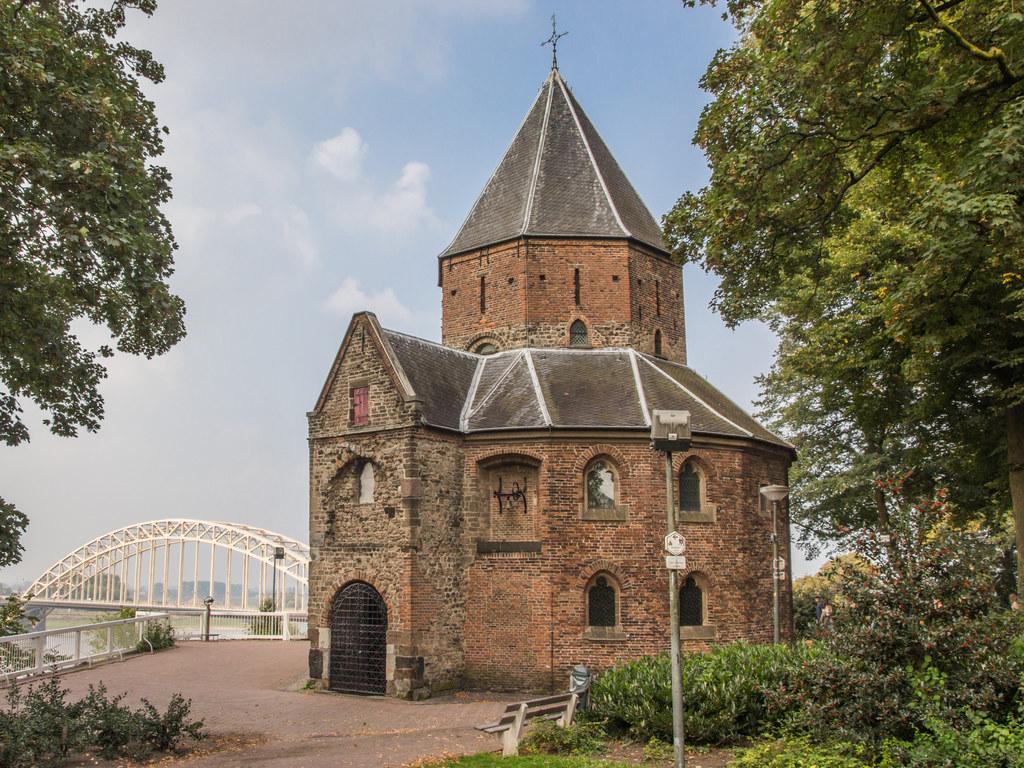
{"points": [[509, 500]]}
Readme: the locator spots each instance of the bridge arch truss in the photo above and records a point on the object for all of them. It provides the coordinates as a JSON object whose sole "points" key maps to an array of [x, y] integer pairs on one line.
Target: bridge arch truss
{"points": [[178, 564]]}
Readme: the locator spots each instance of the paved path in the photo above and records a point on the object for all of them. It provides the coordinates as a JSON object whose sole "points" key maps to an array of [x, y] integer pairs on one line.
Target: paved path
{"points": [[247, 689]]}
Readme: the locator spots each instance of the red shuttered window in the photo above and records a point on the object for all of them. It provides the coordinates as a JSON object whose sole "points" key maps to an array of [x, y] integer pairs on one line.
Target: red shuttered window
{"points": [[360, 412]]}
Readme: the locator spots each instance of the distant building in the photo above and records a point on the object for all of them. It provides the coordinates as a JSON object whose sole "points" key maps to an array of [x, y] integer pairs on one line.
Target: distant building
{"points": [[488, 512]]}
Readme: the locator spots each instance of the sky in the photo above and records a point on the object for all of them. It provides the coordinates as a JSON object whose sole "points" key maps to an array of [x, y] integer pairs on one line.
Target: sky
{"points": [[323, 154]]}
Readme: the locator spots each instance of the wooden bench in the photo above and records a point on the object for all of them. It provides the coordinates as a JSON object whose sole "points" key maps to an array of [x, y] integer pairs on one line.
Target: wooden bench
{"points": [[510, 725]]}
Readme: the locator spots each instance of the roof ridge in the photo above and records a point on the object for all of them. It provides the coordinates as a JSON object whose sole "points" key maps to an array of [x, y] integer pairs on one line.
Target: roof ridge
{"points": [[487, 395], [431, 343], [528, 208], [641, 395], [537, 391], [729, 400], [494, 173], [590, 154], [471, 394], [700, 400]]}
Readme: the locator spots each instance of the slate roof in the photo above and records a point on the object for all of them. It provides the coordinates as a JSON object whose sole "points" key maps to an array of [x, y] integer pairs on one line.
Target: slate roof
{"points": [[611, 388], [556, 178]]}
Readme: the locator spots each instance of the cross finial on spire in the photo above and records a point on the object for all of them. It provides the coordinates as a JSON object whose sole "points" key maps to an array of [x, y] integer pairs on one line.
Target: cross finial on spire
{"points": [[553, 42]]}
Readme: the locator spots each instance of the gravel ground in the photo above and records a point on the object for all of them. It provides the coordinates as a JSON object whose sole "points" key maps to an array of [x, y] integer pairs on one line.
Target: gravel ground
{"points": [[249, 694]]}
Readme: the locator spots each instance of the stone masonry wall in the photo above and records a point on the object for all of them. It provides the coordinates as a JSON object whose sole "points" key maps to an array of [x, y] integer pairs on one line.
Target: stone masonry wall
{"points": [[531, 298], [537, 600]]}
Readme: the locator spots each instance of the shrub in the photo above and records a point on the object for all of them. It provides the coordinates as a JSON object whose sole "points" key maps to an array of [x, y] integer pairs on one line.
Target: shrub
{"points": [[549, 738], [40, 727], [724, 692], [919, 637], [159, 634], [984, 744], [800, 753]]}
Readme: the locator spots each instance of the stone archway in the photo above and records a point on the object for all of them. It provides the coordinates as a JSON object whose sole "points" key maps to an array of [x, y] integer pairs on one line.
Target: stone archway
{"points": [[359, 626]]}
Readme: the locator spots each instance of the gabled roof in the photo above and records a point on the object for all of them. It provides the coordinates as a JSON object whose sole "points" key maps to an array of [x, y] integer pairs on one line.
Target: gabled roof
{"points": [[610, 388], [557, 178]]}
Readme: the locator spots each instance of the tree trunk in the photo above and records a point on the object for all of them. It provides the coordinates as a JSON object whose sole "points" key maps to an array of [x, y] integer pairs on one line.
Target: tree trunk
{"points": [[1015, 458]]}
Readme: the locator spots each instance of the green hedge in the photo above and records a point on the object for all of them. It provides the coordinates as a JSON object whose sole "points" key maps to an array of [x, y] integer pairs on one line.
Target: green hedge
{"points": [[724, 692]]}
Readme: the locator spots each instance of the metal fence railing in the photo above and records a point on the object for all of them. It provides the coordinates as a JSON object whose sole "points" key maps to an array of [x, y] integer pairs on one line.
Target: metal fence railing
{"points": [[254, 625], [36, 652]]}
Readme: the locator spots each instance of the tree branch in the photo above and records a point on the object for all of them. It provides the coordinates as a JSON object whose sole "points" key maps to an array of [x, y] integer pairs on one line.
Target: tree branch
{"points": [[993, 54]]}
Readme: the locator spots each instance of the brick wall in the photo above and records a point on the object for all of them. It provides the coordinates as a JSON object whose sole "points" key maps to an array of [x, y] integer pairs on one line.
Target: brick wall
{"points": [[626, 292]]}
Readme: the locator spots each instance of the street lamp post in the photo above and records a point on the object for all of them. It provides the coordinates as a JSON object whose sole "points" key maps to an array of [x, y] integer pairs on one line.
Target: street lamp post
{"points": [[670, 431], [278, 555], [774, 494]]}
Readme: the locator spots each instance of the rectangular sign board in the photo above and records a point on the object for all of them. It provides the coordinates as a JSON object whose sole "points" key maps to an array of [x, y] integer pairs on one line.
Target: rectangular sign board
{"points": [[675, 562]]}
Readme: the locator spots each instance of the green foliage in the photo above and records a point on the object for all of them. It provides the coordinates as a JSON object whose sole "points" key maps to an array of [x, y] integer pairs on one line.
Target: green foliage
{"points": [[983, 743], [13, 620], [40, 727], [491, 760], [919, 637], [867, 200], [725, 692], [657, 750], [157, 635], [549, 738], [82, 236], [800, 753]]}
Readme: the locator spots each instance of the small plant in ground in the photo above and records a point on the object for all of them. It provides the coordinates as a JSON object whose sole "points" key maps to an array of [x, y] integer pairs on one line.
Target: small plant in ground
{"points": [[159, 634], [800, 753], [549, 738]]}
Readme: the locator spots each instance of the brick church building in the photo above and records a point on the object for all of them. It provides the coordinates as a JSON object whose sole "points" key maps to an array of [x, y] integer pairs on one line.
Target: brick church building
{"points": [[488, 512]]}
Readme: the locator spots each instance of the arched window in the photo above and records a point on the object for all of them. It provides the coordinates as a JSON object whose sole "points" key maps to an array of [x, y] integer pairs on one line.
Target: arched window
{"points": [[486, 348], [689, 489], [601, 482], [601, 603], [691, 604], [367, 482], [578, 334], [657, 343]]}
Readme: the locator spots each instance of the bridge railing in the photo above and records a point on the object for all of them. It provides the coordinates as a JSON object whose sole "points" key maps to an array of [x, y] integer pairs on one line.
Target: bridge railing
{"points": [[36, 652], [236, 625]]}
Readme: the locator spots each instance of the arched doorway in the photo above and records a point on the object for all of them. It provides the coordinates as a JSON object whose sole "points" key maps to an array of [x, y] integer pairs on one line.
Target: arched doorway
{"points": [[359, 626]]}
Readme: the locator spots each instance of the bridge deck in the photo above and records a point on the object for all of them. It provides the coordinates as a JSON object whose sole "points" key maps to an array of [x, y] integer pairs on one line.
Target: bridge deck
{"points": [[247, 689]]}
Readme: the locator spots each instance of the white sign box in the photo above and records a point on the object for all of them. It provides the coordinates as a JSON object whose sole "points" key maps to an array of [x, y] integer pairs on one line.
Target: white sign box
{"points": [[675, 562]]}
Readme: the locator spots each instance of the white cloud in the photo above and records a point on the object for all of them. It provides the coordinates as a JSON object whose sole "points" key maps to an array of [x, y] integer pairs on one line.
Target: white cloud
{"points": [[342, 156], [297, 231], [351, 298]]}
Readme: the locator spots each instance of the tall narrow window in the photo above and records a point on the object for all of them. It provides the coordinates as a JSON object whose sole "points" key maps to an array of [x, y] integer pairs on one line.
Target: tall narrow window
{"points": [[359, 413], [601, 603], [657, 298], [689, 489], [578, 334], [657, 343], [576, 284], [483, 294], [600, 486], [691, 604]]}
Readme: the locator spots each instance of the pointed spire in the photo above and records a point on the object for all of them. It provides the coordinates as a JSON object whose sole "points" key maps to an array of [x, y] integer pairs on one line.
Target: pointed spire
{"points": [[553, 42], [557, 178]]}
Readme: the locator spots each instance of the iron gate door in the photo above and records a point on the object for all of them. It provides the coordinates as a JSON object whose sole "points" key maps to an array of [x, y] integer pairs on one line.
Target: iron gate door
{"points": [[359, 625]]}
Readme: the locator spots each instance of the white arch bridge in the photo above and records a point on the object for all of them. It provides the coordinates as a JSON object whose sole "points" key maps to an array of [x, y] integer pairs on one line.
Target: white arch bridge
{"points": [[176, 565]]}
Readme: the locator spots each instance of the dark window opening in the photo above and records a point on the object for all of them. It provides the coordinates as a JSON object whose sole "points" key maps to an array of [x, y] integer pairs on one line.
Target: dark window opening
{"points": [[578, 334], [615, 278], [691, 604], [487, 348], [657, 298], [543, 278], [360, 411], [689, 489], [576, 284], [657, 343], [601, 604], [483, 294]]}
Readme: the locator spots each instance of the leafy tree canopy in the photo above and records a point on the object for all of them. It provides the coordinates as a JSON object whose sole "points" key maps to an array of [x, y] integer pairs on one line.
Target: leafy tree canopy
{"points": [[867, 200], [82, 237]]}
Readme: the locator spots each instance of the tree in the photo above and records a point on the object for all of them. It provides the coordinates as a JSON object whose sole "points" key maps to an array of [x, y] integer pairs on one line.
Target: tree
{"points": [[82, 236], [867, 200]]}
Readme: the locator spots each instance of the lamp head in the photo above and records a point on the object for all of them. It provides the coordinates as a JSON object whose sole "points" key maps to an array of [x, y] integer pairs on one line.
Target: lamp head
{"points": [[775, 492]]}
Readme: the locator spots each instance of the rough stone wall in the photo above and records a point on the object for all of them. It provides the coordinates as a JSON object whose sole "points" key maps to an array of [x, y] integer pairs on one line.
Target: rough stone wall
{"points": [[417, 495], [730, 558], [531, 296]]}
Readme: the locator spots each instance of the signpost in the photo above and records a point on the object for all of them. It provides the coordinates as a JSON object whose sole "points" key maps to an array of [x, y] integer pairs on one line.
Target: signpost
{"points": [[670, 431]]}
